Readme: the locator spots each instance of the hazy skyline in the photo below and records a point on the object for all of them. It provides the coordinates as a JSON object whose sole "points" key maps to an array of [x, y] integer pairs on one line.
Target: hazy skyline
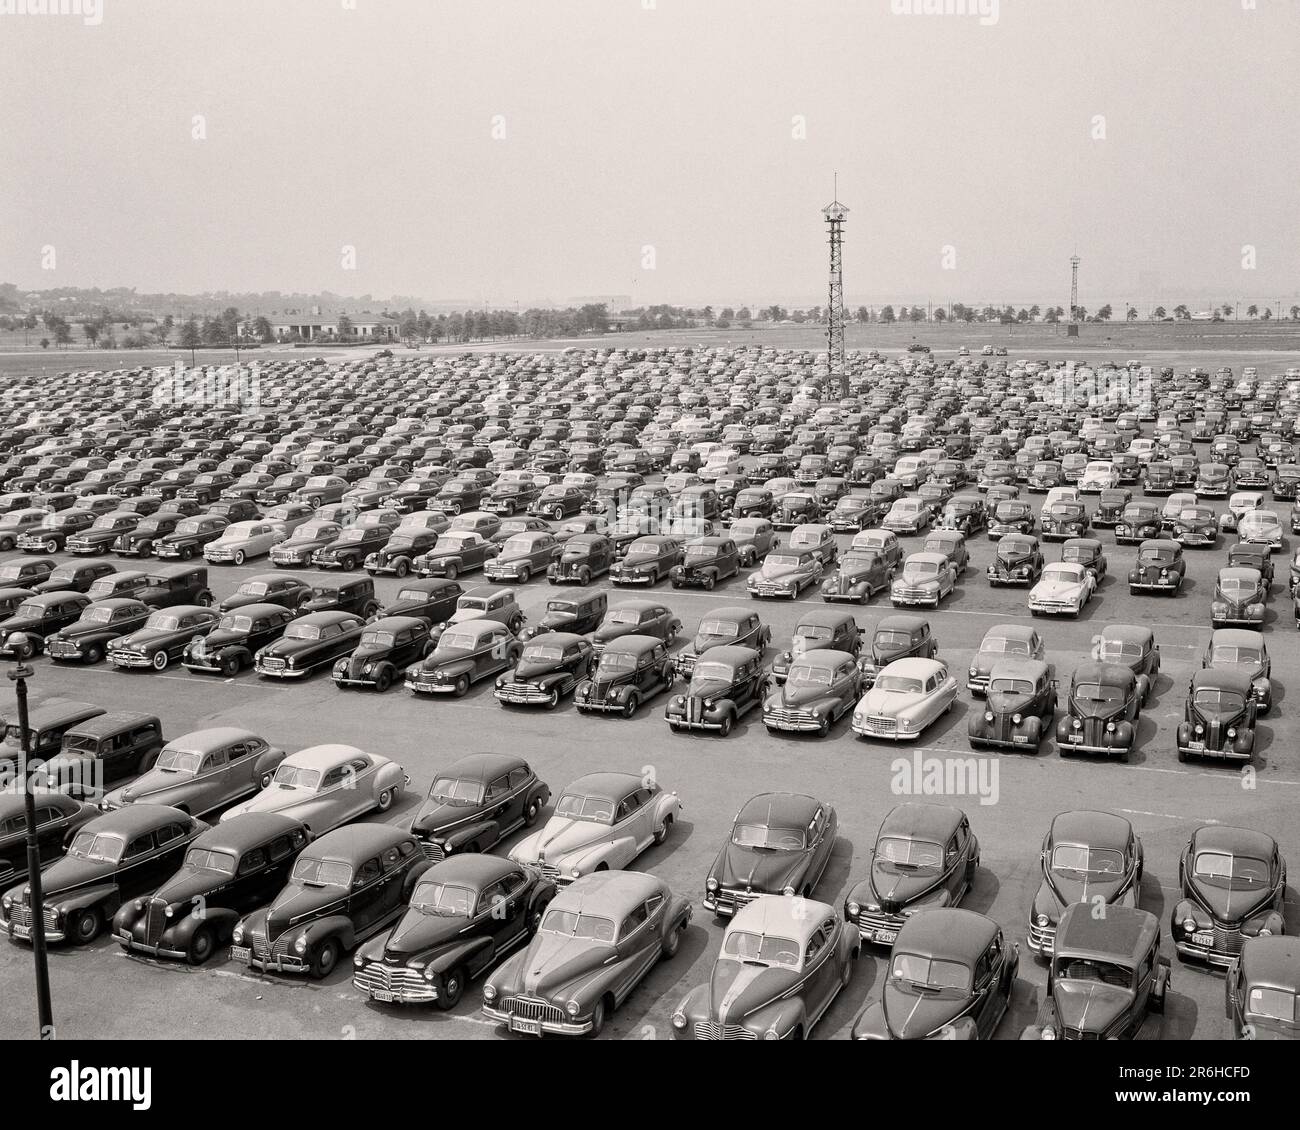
{"points": [[508, 151]]}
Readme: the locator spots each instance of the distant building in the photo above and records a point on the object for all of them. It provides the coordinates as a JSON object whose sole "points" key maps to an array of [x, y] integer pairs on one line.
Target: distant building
{"points": [[318, 327]]}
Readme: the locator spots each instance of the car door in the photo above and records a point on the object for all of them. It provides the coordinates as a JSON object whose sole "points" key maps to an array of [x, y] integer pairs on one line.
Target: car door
{"points": [[365, 904], [821, 977], [214, 780], [51, 828], [139, 871]]}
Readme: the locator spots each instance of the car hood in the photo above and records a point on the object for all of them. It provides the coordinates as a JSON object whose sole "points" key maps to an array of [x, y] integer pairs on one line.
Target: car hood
{"points": [[913, 1016], [298, 902], [1229, 906], [889, 703], [1007, 702], [417, 932], [151, 783], [562, 836], [1090, 1006], [737, 988], [918, 580], [1087, 708], [1007, 558], [1083, 888], [553, 961], [533, 668], [898, 888], [771, 571], [763, 870], [803, 696], [67, 874], [1057, 590], [435, 816]]}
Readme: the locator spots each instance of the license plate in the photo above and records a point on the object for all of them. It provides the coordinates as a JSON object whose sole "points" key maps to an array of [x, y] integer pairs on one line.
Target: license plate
{"points": [[1076, 737], [1020, 738], [385, 996], [1195, 745], [885, 937], [22, 931], [526, 1025], [1203, 939], [240, 953]]}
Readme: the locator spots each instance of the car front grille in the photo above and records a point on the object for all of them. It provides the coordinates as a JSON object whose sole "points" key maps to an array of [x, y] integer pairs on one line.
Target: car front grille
{"points": [[432, 851], [530, 1008], [155, 921], [709, 1030], [21, 915], [270, 664], [390, 979], [1227, 939], [871, 920], [734, 899], [877, 724]]}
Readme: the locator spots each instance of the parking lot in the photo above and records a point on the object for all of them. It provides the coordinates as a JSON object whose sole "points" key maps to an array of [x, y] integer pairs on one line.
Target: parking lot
{"points": [[100, 993]]}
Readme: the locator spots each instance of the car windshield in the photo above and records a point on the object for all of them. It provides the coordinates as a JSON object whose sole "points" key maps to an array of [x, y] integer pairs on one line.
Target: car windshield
{"points": [[899, 684], [1121, 651], [1161, 555], [615, 663], [806, 675], [1000, 645], [902, 853], [101, 589], [595, 810], [456, 792], [350, 537], [1196, 515], [767, 837], [1269, 1003], [254, 588], [760, 949], [312, 531], [178, 761], [458, 641], [294, 777], [574, 924], [643, 549], [99, 847], [538, 653], [1103, 972], [727, 628], [377, 639], [303, 632], [624, 616], [932, 976], [1060, 575], [1237, 585], [322, 873], [236, 622], [1080, 859], [418, 595], [200, 859], [1219, 701], [106, 522], [97, 616], [1098, 692], [1230, 654], [713, 673], [782, 560], [922, 568], [891, 639], [855, 562], [1231, 872], [444, 900], [514, 547], [1011, 686]]}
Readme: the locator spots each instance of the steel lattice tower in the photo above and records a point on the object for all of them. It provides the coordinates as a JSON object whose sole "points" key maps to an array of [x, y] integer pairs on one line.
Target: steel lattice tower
{"points": [[835, 214], [1074, 288]]}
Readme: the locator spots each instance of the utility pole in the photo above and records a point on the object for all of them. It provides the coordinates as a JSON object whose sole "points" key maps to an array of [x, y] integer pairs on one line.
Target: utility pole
{"points": [[835, 214]]}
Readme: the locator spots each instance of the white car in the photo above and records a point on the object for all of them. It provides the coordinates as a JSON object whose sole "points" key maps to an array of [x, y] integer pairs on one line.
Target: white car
{"points": [[1240, 504], [1060, 494], [1099, 475], [908, 516], [244, 540], [1175, 504], [1064, 590], [325, 786], [1260, 527], [907, 697], [926, 578]]}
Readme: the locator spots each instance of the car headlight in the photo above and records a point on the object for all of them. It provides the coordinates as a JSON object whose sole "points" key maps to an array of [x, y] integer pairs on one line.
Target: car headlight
{"points": [[1110, 727], [1189, 924], [238, 936], [572, 1008], [489, 993], [300, 946], [1016, 719], [679, 1020], [1232, 732], [575, 873], [430, 974], [7, 902], [1047, 1034], [974, 671], [170, 912], [1040, 920], [711, 884], [787, 891], [988, 716], [1076, 724], [854, 909]]}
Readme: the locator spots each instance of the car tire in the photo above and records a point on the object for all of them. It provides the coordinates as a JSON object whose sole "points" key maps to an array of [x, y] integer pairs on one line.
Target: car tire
{"points": [[160, 661], [725, 726], [584, 576], [187, 553], [532, 812], [401, 567], [85, 927], [385, 799], [384, 679], [673, 941], [461, 687], [94, 653], [557, 512], [51, 546], [230, 666], [453, 988], [516, 622], [631, 705], [348, 563], [663, 831], [325, 959], [524, 574], [597, 1019], [553, 701], [239, 557], [7, 545], [201, 947], [450, 572]]}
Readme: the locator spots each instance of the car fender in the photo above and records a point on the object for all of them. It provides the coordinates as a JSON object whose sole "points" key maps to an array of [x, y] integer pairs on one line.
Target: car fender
{"points": [[457, 668], [220, 920], [267, 763], [484, 831], [389, 776], [104, 895], [462, 952], [782, 1017], [613, 853], [337, 926]]}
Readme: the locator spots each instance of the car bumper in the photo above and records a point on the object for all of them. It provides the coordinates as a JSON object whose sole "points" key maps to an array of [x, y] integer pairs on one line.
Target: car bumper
{"points": [[272, 963], [1224, 753], [914, 598], [773, 591], [1204, 950], [129, 943], [281, 672], [529, 1027], [633, 579], [383, 990], [1054, 608], [430, 686], [21, 933], [1041, 939], [522, 694], [1151, 586], [129, 659], [991, 741], [62, 649], [792, 721]]}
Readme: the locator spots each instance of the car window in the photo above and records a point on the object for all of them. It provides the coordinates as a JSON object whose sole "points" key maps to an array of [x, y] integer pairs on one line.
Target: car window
{"points": [[254, 860], [633, 921], [391, 858], [518, 777], [139, 846], [497, 789], [367, 873]]}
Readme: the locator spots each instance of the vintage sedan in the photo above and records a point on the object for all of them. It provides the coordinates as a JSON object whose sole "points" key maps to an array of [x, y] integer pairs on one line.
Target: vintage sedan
{"points": [[113, 858], [794, 508], [780, 844], [328, 785], [861, 574], [1239, 601], [236, 639], [1106, 974], [735, 626], [102, 533], [630, 670], [101, 622], [309, 643], [1064, 589], [820, 687], [54, 530], [75, 576], [951, 976], [431, 598], [189, 538], [781, 965], [386, 648], [58, 816], [753, 502], [1092, 857], [1238, 649], [352, 546], [1261, 988], [952, 544], [1102, 715], [343, 888], [966, 513], [580, 613], [20, 522], [1012, 516], [1214, 480], [1196, 526], [1233, 887], [595, 943], [907, 697], [466, 652], [726, 682], [1020, 706], [1134, 647], [228, 871], [1001, 642], [705, 562], [164, 637], [853, 512], [1019, 561], [522, 555], [396, 557], [820, 628], [550, 666], [243, 540], [908, 517], [301, 545], [1065, 519], [1252, 555], [925, 856], [1141, 522], [1219, 716], [477, 802], [785, 574], [1159, 568], [636, 617], [464, 915], [647, 560], [1262, 528], [897, 637], [1111, 505], [926, 578], [754, 538], [583, 556], [602, 821], [485, 602]]}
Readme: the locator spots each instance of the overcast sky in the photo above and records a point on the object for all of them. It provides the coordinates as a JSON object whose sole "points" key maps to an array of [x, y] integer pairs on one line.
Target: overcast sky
{"points": [[705, 130]]}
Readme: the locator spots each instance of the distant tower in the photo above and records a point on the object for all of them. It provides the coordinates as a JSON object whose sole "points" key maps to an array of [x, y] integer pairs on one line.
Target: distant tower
{"points": [[835, 214], [1074, 289]]}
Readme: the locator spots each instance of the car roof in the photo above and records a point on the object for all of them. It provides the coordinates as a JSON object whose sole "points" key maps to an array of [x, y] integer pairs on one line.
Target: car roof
{"points": [[1123, 932], [605, 786], [134, 819], [110, 723], [947, 933], [612, 893], [482, 767], [729, 612], [925, 821], [1272, 960], [356, 843], [781, 916], [904, 622], [13, 802], [1126, 633], [1237, 637], [1033, 669], [915, 667], [249, 829], [215, 737], [324, 756], [729, 654], [1093, 671], [1092, 828], [53, 711], [1224, 837], [471, 870], [172, 571], [1223, 678], [487, 592], [397, 623], [779, 809], [331, 616]]}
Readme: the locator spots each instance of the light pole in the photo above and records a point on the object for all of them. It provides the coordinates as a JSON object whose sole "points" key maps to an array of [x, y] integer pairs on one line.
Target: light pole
{"points": [[35, 901]]}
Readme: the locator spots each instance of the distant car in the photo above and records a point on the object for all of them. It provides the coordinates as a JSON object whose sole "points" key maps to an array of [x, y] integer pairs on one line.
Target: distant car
{"points": [[243, 540], [786, 574], [926, 578], [342, 888], [1219, 716], [101, 622], [397, 555], [1103, 711], [163, 638], [1065, 588], [1160, 568], [726, 682], [952, 544], [466, 652], [861, 574], [1019, 709], [582, 557], [602, 821], [1092, 857], [1196, 526], [780, 967], [897, 637], [38, 619], [630, 670], [1233, 884], [1243, 650], [780, 843], [820, 687], [1019, 561], [1106, 974], [325, 786], [1261, 988], [1262, 528], [476, 802], [907, 697], [1139, 522], [309, 643], [636, 617], [648, 560], [580, 613], [1239, 599], [58, 816], [925, 856], [1110, 507], [386, 648], [550, 666]]}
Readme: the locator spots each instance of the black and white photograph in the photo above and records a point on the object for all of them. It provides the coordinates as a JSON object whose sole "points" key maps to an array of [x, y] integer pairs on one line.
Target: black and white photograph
{"points": [[548, 521]]}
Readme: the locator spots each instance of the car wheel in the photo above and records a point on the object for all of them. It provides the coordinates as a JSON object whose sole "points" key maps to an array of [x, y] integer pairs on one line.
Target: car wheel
{"points": [[386, 798], [724, 727], [160, 661], [450, 572], [85, 927], [708, 582], [557, 512], [461, 687], [201, 946], [597, 1019], [553, 699], [326, 958], [187, 552], [825, 728], [532, 812], [230, 666], [51, 546], [673, 941], [401, 567], [516, 622], [584, 576], [453, 987], [239, 557], [6, 545], [348, 563], [524, 574], [630, 706], [94, 653]]}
